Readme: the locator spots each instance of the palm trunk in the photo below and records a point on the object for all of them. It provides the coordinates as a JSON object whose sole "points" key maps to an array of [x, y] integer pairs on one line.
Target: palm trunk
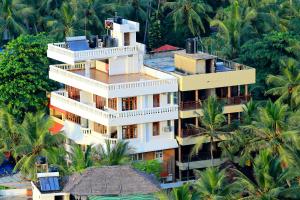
{"points": [[211, 151]]}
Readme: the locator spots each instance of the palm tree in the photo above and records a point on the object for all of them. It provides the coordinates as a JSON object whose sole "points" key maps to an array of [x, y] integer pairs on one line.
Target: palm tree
{"points": [[112, 154], [188, 12], [36, 141], [10, 136], [64, 24], [271, 181], [213, 183], [287, 85], [180, 193], [80, 159], [249, 112], [13, 15], [271, 131], [234, 27], [211, 122]]}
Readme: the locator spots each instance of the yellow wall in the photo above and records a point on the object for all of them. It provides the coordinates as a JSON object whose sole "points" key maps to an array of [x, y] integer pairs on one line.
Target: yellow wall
{"points": [[215, 80], [184, 63]]}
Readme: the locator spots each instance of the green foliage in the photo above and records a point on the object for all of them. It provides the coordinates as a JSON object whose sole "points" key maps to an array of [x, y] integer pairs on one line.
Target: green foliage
{"points": [[213, 183], [80, 160], [179, 193], [211, 124], [24, 75], [267, 54], [155, 37], [271, 181], [149, 167], [36, 141], [112, 154]]}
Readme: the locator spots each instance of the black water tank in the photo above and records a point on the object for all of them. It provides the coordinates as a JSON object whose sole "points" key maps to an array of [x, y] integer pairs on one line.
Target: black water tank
{"points": [[53, 169], [93, 42], [41, 160], [104, 38], [191, 46], [109, 42], [118, 20]]}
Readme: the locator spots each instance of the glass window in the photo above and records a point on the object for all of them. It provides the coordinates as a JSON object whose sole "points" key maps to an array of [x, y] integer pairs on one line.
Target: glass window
{"points": [[137, 157], [159, 155], [155, 128], [129, 132]]}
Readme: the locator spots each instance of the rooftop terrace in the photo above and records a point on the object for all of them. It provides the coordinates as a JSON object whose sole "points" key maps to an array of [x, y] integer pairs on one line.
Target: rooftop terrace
{"points": [[111, 79]]}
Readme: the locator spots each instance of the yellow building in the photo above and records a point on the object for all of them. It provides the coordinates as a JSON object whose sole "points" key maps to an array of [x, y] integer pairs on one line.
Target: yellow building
{"points": [[201, 75]]}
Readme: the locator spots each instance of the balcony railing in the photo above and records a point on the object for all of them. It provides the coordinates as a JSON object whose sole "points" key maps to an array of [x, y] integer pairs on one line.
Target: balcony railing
{"points": [[190, 105], [60, 52], [109, 117], [193, 105], [236, 100], [60, 73], [190, 132]]}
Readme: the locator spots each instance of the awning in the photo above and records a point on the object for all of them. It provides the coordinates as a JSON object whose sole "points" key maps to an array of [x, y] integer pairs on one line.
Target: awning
{"points": [[56, 128]]}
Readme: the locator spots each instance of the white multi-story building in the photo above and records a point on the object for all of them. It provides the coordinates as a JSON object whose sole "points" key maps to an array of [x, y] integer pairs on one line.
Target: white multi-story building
{"points": [[110, 95]]}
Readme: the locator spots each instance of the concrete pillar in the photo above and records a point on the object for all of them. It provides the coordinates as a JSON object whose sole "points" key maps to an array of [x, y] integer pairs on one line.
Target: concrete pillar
{"points": [[246, 90], [119, 104], [87, 68], [108, 128], [119, 132], [179, 128]]}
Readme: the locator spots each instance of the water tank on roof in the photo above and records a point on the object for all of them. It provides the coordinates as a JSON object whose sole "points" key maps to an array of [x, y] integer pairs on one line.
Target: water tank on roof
{"points": [[41, 160], [191, 46], [118, 20], [93, 41]]}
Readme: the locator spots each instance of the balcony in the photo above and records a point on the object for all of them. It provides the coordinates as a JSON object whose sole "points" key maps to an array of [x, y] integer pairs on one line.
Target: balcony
{"points": [[85, 136], [60, 52], [99, 83], [114, 118]]}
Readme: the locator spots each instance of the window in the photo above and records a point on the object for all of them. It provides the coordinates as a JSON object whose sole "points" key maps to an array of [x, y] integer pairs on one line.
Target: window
{"points": [[112, 103], [100, 101], [129, 132], [73, 118], [73, 92], [129, 103], [137, 157], [158, 155], [169, 123], [156, 100], [100, 128], [155, 128]]}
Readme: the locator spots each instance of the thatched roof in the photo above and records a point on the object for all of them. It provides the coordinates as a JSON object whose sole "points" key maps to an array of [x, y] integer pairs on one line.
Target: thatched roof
{"points": [[111, 180]]}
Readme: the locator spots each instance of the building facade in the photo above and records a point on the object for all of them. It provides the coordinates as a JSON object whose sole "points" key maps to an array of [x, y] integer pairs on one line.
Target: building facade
{"points": [[109, 95], [199, 76]]}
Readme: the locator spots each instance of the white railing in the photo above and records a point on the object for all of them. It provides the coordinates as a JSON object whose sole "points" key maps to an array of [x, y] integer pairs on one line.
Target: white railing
{"points": [[76, 77], [60, 48], [97, 53], [70, 67], [63, 93], [86, 131], [78, 107], [60, 73], [108, 117], [147, 111]]}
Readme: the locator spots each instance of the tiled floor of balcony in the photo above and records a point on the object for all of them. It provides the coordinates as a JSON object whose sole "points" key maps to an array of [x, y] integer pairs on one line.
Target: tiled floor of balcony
{"points": [[105, 78]]}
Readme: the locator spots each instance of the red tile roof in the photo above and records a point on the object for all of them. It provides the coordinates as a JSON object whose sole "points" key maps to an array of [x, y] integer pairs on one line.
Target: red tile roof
{"points": [[166, 47]]}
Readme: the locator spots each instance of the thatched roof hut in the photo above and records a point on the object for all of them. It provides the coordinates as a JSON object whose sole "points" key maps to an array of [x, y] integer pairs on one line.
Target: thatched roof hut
{"points": [[110, 180]]}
